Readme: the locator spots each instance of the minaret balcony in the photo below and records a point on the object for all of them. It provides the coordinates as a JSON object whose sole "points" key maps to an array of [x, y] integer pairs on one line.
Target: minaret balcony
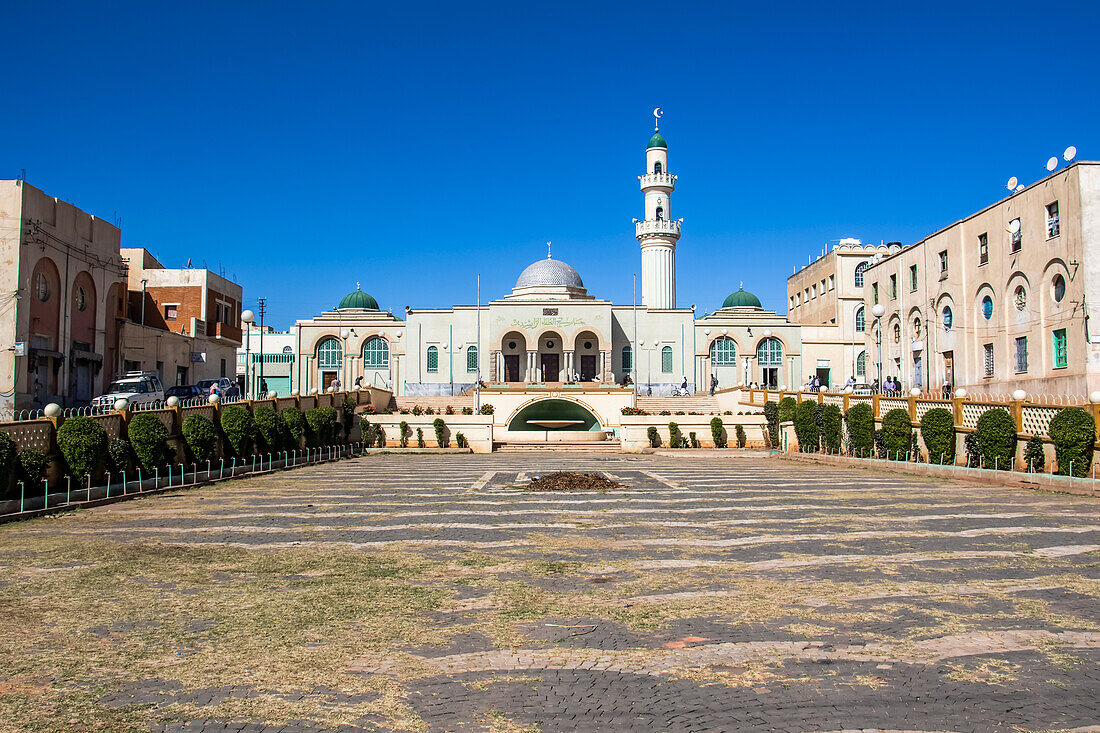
{"points": [[657, 228], [657, 180]]}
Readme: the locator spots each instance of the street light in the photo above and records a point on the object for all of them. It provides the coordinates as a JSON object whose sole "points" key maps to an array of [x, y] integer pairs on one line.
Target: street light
{"points": [[247, 318], [877, 310]]}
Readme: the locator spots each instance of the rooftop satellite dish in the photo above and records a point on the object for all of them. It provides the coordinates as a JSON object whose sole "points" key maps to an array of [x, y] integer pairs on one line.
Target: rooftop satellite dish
{"points": [[1052, 163], [1012, 182], [1070, 154], [1014, 226], [1020, 188]]}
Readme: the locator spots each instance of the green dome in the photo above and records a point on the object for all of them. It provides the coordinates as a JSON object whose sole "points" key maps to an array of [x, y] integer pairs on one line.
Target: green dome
{"points": [[358, 299], [742, 299], [657, 142]]}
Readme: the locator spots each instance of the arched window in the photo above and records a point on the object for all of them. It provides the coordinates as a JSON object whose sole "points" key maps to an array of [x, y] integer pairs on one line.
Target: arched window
{"points": [[987, 307], [657, 167], [433, 359], [861, 364], [861, 320], [770, 352], [916, 328], [897, 333], [471, 359], [859, 273], [666, 360], [723, 352], [376, 353], [329, 354], [628, 360], [660, 213], [1058, 288], [948, 318]]}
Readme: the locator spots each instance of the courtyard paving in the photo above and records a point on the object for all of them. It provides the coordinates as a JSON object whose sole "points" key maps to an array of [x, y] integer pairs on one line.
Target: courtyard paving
{"points": [[433, 593]]}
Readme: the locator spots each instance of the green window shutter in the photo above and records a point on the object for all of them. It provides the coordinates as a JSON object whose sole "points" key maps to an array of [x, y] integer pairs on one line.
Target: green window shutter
{"points": [[1061, 357], [471, 359], [433, 359], [666, 360], [628, 360]]}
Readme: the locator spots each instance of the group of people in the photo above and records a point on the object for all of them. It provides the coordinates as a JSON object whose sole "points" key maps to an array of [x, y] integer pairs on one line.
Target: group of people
{"points": [[891, 387]]}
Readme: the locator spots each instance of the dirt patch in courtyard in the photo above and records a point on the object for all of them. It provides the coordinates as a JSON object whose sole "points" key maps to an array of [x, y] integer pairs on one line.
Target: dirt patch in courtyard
{"points": [[572, 481]]}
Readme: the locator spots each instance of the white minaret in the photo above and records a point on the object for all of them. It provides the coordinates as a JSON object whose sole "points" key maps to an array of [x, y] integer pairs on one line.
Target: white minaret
{"points": [[659, 232]]}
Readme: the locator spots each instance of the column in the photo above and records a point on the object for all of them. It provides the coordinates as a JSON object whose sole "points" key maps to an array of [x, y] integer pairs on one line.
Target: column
{"points": [[605, 367], [567, 357], [530, 366]]}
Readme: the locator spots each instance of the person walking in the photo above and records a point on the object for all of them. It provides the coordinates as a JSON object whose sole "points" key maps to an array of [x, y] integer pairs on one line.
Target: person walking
{"points": [[263, 388], [713, 384], [684, 387], [359, 382]]}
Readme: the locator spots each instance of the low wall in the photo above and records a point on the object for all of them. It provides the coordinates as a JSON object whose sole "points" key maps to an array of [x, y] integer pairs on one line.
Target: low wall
{"points": [[477, 429], [634, 433]]}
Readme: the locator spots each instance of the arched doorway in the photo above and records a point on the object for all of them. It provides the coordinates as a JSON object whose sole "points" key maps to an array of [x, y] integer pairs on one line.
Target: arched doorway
{"points": [[586, 356], [513, 350], [550, 357], [82, 320], [554, 415]]}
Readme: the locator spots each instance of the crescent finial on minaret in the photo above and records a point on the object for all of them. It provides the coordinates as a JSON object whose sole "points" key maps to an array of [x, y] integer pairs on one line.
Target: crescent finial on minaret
{"points": [[656, 119], [548, 251]]}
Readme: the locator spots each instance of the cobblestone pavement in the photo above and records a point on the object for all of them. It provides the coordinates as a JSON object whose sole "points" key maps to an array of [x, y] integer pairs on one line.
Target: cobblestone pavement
{"points": [[432, 593]]}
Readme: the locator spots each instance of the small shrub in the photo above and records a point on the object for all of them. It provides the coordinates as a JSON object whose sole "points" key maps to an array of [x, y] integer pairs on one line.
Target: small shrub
{"points": [[771, 412], [369, 431], [996, 433], [675, 439], [347, 412], [486, 409], [467, 411], [8, 459], [83, 445], [149, 439], [379, 437], [268, 426], [1073, 431], [322, 425], [440, 432], [32, 467], [897, 433], [786, 409], [937, 428], [628, 410], [417, 410], [805, 426], [449, 410], [406, 431], [832, 423], [973, 450], [239, 429], [429, 411], [742, 439], [295, 423], [717, 432], [460, 441], [201, 437], [693, 440], [419, 437], [119, 456], [1034, 455], [654, 436], [861, 430]]}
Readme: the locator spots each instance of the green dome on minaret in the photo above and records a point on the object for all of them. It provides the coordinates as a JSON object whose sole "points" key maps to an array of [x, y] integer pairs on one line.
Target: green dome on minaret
{"points": [[358, 299], [657, 142], [742, 299]]}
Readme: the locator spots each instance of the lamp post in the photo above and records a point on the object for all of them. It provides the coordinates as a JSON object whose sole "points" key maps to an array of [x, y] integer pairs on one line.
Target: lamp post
{"points": [[247, 318], [344, 335], [877, 311]]}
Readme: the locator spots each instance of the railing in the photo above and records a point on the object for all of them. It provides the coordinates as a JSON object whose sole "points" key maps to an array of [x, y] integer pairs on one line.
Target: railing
{"points": [[657, 179], [658, 226]]}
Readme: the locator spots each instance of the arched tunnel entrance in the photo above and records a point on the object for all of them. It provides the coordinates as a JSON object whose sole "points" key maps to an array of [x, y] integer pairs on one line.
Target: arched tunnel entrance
{"points": [[555, 415]]}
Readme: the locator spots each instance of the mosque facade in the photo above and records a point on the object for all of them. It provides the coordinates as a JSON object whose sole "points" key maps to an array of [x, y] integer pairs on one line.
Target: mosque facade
{"points": [[550, 330]]}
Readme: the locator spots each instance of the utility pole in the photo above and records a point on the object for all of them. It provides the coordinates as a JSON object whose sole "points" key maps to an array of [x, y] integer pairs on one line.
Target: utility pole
{"points": [[262, 309]]}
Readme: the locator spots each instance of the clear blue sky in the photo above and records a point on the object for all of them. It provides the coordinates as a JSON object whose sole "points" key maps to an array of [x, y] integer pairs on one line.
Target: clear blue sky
{"points": [[410, 146]]}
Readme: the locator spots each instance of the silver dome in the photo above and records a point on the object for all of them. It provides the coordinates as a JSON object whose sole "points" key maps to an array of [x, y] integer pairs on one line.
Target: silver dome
{"points": [[549, 272]]}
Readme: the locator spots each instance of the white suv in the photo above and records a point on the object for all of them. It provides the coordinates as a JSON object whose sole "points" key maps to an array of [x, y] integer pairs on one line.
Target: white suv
{"points": [[137, 388]]}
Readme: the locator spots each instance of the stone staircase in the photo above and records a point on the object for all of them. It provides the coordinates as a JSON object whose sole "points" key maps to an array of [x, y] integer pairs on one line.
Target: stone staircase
{"points": [[587, 446], [701, 403]]}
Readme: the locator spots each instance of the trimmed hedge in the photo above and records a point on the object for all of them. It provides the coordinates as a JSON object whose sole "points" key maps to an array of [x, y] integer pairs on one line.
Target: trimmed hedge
{"points": [[937, 428], [973, 451], [7, 461], [419, 437], [440, 434], [33, 464], [805, 425], [718, 432], [201, 437], [861, 430], [897, 433], [1073, 431], [239, 429], [786, 409], [996, 433], [322, 425], [120, 457], [771, 412], [654, 436], [832, 419], [149, 439], [742, 439], [675, 437], [1034, 456], [405, 431], [269, 427], [295, 423], [83, 444], [460, 440]]}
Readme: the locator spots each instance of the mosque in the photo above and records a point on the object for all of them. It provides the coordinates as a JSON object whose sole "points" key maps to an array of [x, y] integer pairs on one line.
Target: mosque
{"points": [[550, 331]]}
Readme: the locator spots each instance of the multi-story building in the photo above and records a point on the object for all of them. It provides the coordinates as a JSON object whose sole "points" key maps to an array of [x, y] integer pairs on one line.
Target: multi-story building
{"points": [[64, 287], [182, 323], [1004, 299], [826, 299]]}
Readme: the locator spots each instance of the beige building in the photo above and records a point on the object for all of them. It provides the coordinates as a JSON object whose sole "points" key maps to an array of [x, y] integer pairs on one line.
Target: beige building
{"points": [[826, 299], [1004, 299], [64, 289]]}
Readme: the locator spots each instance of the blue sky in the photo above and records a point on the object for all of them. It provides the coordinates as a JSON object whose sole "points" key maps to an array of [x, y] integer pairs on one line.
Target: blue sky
{"points": [[410, 146]]}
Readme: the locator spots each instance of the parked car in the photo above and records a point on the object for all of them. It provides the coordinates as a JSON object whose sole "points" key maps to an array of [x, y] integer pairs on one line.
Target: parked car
{"points": [[228, 389], [183, 391], [137, 388], [863, 388]]}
